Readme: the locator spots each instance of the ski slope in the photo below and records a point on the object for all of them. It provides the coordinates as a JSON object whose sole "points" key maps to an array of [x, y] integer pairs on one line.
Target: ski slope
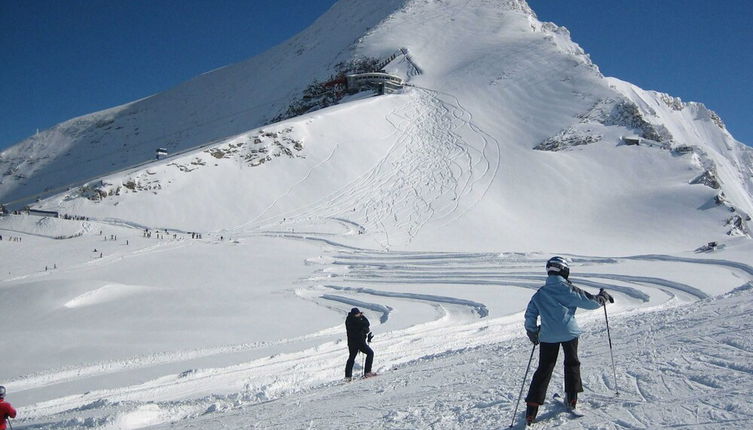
{"points": [[676, 368], [209, 289], [269, 331]]}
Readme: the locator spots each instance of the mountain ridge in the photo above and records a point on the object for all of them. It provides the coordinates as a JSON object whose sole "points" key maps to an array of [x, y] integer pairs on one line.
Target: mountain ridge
{"points": [[520, 84]]}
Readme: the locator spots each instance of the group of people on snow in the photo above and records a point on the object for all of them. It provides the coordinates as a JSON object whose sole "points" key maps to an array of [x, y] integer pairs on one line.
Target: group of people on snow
{"points": [[549, 323]]}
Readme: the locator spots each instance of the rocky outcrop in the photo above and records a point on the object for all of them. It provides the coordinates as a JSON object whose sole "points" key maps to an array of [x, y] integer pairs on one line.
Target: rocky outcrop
{"points": [[738, 225], [622, 112], [707, 178], [568, 138], [607, 112]]}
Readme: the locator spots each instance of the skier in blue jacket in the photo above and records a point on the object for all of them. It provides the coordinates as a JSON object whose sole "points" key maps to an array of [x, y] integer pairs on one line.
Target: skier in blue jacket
{"points": [[555, 304]]}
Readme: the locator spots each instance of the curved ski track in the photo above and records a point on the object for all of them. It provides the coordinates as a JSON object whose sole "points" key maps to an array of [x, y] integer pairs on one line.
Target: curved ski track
{"points": [[439, 161], [369, 279], [440, 165]]}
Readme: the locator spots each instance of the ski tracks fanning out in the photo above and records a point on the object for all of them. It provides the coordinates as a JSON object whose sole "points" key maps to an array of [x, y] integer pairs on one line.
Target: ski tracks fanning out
{"points": [[439, 163], [354, 269], [677, 368], [444, 329], [479, 308]]}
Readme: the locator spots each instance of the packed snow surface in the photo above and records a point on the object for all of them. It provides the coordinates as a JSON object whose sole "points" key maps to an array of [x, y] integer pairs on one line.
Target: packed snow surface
{"points": [[248, 333], [209, 289]]}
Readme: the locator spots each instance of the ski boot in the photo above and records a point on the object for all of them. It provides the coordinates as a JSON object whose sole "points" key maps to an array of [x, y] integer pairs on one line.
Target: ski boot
{"points": [[531, 410], [571, 400]]}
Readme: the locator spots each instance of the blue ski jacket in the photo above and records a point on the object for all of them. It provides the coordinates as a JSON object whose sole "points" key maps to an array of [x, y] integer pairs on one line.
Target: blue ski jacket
{"points": [[555, 303]]}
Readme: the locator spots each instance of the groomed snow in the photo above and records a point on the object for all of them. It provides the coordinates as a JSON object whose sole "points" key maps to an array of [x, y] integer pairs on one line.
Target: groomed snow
{"points": [[228, 330], [676, 368]]}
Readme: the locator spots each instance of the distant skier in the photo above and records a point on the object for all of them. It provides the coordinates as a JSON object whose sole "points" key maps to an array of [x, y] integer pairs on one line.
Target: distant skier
{"points": [[6, 410], [555, 304], [357, 327]]}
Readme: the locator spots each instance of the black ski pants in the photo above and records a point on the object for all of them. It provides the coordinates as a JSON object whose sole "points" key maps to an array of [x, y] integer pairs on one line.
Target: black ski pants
{"points": [[354, 348], [547, 359]]}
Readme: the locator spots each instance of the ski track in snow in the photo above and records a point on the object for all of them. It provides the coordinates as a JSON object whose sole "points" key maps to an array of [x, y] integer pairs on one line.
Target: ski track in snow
{"points": [[364, 278], [420, 180], [374, 280], [449, 357], [346, 270], [675, 370], [438, 160], [664, 380], [478, 308], [383, 309]]}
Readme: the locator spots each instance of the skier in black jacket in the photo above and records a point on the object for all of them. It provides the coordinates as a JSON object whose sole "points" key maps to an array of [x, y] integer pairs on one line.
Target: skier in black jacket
{"points": [[357, 327]]}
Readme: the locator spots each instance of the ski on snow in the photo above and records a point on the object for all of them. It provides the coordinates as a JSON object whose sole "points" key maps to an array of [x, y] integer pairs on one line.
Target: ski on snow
{"points": [[561, 400], [561, 404], [358, 378]]}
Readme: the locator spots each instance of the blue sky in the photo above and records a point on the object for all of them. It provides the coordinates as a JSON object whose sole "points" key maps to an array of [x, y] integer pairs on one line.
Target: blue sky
{"points": [[65, 58]]}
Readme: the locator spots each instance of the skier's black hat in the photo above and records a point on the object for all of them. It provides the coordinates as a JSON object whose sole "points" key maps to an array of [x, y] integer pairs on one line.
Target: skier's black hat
{"points": [[355, 311]]}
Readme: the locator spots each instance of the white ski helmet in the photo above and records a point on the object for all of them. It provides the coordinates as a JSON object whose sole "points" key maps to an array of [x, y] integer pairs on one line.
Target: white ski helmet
{"points": [[558, 266]]}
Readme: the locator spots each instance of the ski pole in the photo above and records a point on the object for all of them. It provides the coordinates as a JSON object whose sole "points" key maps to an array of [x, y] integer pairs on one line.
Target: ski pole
{"points": [[515, 412], [611, 353], [9, 424]]}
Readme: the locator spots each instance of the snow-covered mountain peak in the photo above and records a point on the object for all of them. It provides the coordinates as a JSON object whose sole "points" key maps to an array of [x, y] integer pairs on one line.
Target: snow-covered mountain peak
{"points": [[495, 101], [196, 251], [217, 103]]}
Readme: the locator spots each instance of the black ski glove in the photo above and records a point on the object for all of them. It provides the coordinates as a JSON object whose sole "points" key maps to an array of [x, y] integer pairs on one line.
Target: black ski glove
{"points": [[603, 297], [533, 336], [369, 337]]}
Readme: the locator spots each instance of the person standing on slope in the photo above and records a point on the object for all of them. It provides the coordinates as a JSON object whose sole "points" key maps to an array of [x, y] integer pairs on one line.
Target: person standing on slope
{"points": [[555, 304], [6, 410], [357, 327]]}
